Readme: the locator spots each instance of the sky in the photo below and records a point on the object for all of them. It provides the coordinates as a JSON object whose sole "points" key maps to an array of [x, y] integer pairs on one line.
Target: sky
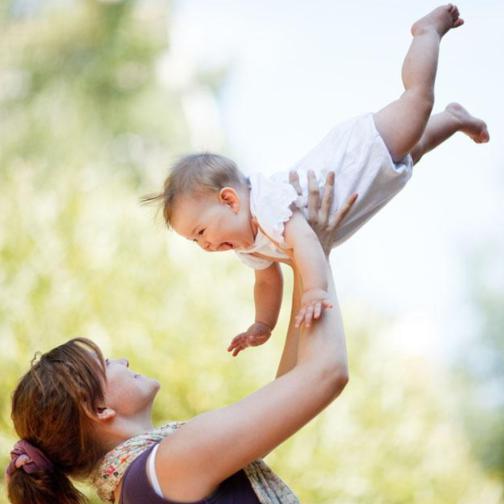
{"points": [[296, 69]]}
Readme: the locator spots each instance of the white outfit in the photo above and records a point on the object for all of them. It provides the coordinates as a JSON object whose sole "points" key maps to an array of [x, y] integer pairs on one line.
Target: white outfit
{"points": [[357, 154]]}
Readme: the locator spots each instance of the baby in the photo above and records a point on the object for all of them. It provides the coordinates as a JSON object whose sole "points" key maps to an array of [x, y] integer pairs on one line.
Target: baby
{"points": [[208, 200]]}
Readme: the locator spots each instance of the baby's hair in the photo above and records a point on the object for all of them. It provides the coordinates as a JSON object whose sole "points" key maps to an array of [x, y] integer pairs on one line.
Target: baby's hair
{"points": [[197, 174]]}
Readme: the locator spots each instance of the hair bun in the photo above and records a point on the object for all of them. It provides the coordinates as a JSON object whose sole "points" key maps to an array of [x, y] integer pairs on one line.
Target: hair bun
{"points": [[29, 458]]}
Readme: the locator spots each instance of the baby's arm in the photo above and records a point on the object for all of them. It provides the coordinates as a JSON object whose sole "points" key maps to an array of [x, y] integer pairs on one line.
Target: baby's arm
{"points": [[268, 289], [310, 259]]}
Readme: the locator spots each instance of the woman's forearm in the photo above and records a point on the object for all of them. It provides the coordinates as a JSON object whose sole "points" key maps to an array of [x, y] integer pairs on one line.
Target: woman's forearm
{"points": [[325, 341], [323, 344], [192, 457], [290, 350]]}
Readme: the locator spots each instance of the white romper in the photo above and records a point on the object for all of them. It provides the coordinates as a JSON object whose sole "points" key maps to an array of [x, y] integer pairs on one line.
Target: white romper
{"points": [[357, 154]]}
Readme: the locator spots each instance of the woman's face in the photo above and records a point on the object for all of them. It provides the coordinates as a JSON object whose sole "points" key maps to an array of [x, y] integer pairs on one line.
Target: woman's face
{"points": [[126, 392]]}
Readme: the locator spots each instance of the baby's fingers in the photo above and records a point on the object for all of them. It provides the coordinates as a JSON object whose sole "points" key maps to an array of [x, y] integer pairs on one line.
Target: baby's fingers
{"points": [[238, 350], [299, 318], [236, 341], [308, 316], [326, 303], [240, 346], [317, 310]]}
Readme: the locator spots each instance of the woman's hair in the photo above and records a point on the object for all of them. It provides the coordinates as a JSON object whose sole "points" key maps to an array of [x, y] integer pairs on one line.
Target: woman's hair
{"points": [[197, 174], [52, 409]]}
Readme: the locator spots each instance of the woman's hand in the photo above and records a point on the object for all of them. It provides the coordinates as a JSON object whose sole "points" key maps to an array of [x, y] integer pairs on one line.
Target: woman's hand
{"points": [[319, 206]]}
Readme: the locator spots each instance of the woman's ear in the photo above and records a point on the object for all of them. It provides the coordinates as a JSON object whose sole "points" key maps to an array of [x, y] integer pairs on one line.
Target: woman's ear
{"points": [[105, 414], [228, 196], [101, 414]]}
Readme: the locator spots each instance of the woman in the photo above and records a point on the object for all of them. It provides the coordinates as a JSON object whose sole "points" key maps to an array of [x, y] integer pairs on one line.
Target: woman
{"points": [[81, 415]]}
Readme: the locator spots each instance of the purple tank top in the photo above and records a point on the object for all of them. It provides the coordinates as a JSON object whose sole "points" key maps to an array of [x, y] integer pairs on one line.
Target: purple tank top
{"points": [[136, 488]]}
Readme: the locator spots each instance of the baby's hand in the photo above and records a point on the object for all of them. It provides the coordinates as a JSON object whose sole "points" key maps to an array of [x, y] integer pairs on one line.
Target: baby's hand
{"points": [[312, 303], [257, 334]]}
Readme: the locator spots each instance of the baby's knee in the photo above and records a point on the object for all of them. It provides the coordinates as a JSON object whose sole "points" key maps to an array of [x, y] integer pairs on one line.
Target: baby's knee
{"points": [[422, 100]]}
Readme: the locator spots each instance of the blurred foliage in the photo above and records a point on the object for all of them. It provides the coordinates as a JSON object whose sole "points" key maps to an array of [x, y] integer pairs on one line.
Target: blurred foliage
{"points": [[481, 369], [86, 128]]}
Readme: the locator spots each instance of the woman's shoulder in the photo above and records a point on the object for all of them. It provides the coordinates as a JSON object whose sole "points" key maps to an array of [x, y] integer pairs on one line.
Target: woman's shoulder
{"points": [[135, 486], [107, 476], [140, 485]]}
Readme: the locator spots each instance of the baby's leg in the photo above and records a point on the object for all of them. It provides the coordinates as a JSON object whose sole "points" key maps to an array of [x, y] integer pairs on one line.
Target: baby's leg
{"points": [[443, 125], [402, 122]]}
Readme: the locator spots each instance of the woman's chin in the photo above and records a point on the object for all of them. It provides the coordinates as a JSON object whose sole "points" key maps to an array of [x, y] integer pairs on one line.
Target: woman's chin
{"points": [[149, 387]]}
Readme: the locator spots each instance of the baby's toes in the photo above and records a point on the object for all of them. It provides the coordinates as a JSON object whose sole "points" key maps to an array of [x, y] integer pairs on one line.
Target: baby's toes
{"points": [[484, 136]]}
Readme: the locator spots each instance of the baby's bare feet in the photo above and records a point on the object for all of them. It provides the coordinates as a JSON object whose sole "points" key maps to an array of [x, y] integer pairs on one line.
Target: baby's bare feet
{"points": [[472, 126], [439, 20]]}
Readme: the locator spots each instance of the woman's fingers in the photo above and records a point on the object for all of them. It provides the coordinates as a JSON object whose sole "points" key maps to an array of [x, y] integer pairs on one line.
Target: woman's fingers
{"points": [[342, 212], [327, 199], [313, 198], [294, 181]]}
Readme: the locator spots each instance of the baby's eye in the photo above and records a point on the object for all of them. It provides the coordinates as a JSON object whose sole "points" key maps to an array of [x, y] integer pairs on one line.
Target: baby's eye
{"points": [[201, 231]]}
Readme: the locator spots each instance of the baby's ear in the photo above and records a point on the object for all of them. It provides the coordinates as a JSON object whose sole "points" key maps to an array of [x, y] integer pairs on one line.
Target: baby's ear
{"points": [[230, 197]]}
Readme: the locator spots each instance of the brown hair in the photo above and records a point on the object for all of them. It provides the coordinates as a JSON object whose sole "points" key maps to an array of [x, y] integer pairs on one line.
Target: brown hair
{"points": [[51, 409], [197, 174]]}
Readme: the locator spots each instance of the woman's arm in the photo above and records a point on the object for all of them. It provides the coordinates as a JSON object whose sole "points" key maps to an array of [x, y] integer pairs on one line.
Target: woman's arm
{"points": [[289, 354], [193, 461], [324, 225]]}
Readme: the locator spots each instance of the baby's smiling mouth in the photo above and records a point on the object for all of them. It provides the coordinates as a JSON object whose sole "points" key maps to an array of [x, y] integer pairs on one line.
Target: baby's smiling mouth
{"points": [[225, 246]]}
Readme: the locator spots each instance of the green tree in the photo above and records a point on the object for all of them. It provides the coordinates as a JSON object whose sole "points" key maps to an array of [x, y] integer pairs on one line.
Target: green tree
{"points": [[481, 369]]}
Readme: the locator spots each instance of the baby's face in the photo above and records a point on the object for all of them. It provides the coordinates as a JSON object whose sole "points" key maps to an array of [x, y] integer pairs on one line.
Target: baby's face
{"points": [[216, 222]]}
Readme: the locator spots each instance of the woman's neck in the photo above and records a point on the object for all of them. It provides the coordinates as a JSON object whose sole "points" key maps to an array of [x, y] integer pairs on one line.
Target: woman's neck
{"points": [[121, 429]]}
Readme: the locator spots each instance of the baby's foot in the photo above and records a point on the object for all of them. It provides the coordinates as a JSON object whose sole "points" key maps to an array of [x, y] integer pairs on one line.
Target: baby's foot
{"points": [[472, 126], [440, 20]]}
